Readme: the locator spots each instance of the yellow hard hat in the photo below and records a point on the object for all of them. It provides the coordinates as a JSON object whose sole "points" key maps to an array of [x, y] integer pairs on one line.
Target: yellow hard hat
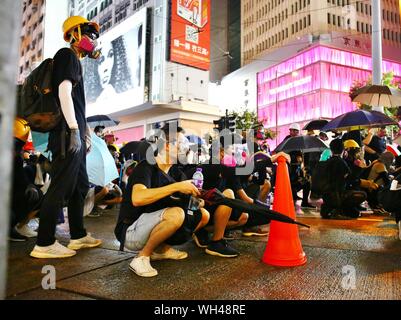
{"points": [[75, 21], [21, 129], [351, 144]]}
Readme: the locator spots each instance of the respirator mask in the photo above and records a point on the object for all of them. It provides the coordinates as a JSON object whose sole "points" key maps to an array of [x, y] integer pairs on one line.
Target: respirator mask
{"points": [[88, 44]]}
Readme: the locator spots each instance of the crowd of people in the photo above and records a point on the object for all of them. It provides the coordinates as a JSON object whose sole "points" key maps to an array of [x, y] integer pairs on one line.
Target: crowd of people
{"points": [[159, 204]]}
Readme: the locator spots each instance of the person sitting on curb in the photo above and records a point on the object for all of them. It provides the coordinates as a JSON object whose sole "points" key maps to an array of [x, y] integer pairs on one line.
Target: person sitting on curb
{"points": [[150, 220]]}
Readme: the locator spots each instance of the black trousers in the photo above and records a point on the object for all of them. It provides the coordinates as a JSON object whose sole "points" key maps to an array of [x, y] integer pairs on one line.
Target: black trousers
{"points": [[69, 186], [346, 201]]}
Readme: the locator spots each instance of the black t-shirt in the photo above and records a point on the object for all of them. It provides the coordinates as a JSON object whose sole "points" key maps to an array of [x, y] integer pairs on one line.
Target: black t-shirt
{"points": [[151, 176], [216, 176], [339, 172], [378, 144], [68, 67]]}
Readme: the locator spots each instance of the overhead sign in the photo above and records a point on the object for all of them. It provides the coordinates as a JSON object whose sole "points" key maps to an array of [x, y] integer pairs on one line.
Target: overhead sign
{"points": [[190, 33]]}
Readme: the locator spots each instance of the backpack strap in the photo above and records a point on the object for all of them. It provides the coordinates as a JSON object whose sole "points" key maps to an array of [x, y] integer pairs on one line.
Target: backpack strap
{"points": [[123, 235]]}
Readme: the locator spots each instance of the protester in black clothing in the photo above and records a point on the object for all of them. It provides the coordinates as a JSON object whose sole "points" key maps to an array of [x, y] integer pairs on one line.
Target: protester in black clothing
{"points": [[375, 144], [341, 202], [25, 198], [153, 215], [67, 143]]}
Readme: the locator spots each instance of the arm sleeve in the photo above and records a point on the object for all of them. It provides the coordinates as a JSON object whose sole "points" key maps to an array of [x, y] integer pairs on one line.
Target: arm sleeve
{"points": [[67, 104]]}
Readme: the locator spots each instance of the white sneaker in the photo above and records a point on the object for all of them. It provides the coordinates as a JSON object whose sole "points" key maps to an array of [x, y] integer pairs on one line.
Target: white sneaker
{"points": [[26, 231], [171, 253], [86, 242], [56, 250], [399, 230], [141, 266]]}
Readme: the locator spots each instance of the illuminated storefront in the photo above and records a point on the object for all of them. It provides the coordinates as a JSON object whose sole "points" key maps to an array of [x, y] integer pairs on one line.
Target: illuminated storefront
{"points": [[313, 84]]}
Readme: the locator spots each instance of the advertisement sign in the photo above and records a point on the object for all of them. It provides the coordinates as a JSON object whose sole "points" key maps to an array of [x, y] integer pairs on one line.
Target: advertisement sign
{"points": [[116, 81], [190, 33]]}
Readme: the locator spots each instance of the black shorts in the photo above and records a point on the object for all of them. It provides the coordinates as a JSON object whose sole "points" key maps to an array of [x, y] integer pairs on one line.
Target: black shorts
{"points": [[184, 233]]}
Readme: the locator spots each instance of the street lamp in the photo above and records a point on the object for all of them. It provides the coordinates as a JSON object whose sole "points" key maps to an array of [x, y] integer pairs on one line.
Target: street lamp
{"points": [[294, 74]]}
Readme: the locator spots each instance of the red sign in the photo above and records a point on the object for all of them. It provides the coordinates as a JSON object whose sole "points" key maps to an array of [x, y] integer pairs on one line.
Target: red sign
{"points": [[190, 33]]}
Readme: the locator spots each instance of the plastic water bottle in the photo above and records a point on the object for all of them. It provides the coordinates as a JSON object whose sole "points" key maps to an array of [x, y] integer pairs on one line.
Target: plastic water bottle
{"points": [[198, 178]]}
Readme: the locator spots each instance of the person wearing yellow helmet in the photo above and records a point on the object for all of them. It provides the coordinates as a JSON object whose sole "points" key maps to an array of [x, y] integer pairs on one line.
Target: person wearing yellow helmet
{"points": [[68, 144], [21, 129], [25, 197]]}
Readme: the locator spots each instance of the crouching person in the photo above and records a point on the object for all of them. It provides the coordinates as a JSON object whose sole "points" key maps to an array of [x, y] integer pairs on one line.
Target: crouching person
{"points": [[151, 218]]}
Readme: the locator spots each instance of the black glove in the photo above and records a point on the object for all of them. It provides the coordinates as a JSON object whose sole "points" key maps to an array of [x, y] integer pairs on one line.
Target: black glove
{"points": [[75, 141], [32, 194]]}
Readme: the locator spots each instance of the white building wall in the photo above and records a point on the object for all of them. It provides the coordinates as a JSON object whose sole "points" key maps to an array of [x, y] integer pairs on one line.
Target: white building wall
{"points": [[53, 35]]}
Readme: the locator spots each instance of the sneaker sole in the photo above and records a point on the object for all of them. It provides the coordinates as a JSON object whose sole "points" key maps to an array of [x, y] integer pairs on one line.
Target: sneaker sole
{"points": [[250, 234], [40, 255], [146, 275], [167, 258], [217, 254], [83, 246]]}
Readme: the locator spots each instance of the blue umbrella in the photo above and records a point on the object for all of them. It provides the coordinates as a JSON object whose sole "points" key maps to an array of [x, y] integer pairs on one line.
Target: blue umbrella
{"points": [[195, 139], [100, 164], [359, 119], [40, 141]]}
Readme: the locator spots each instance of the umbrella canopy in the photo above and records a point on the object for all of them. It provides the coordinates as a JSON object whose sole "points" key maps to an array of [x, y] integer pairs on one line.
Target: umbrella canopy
{"points": [[135, 149], [315, 124], [40, 141], [359, 119], [375, 95], [100, 164], [101, 120], [214, 196], [306, 144]]}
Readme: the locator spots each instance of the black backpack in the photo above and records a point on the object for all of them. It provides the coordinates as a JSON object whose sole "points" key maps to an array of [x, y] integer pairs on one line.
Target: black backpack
{"points": [[321, 182], [36, 102]]}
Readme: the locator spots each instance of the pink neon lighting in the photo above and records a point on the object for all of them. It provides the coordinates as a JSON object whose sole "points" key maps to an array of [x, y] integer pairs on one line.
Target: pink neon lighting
{"points": [[332, 71]]}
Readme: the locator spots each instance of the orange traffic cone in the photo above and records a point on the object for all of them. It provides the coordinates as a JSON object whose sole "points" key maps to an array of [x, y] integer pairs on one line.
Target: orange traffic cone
{"points": [[283, 246]]}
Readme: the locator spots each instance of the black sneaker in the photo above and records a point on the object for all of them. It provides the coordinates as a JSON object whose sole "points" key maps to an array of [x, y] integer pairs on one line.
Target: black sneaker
{"points": [[14, 236], [201, 238], [220, 248]]}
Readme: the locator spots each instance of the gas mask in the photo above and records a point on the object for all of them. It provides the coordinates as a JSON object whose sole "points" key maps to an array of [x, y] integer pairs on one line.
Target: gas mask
{"points": [[89, 47], [88, 44]]}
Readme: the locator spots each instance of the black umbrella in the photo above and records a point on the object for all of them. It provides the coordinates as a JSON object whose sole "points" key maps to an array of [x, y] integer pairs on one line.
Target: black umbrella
{"points": [[306, 144], [359, 119], [315, 124], [101, 120], [135, 149], [214, 196]]}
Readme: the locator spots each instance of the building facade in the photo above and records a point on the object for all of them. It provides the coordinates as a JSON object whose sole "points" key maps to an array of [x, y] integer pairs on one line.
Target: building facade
{"points": [[37, 43], [170, 67], [270, 24]]}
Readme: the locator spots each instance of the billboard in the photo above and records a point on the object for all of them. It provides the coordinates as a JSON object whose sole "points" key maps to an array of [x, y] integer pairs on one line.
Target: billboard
{"points": [[116, 81], [190, 33]]}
